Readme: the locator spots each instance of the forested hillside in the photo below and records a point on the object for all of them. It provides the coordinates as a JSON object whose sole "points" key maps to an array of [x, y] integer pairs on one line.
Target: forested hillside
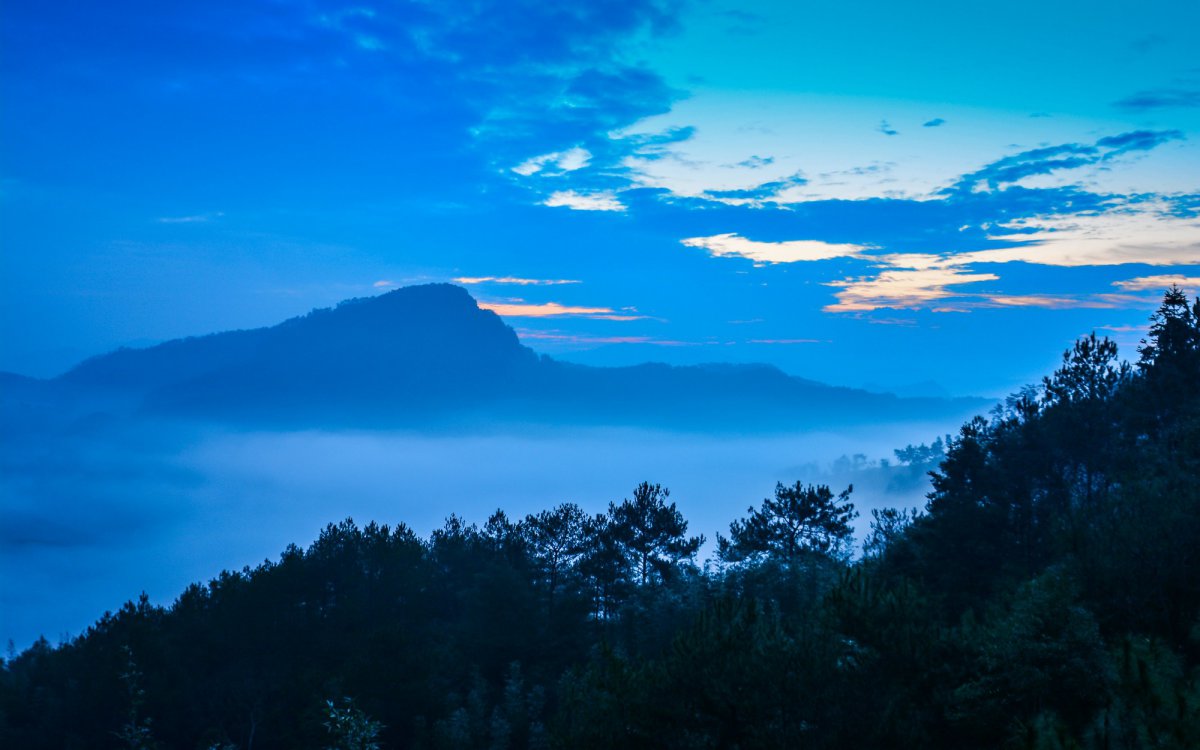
{"points": [[1048, 596]]}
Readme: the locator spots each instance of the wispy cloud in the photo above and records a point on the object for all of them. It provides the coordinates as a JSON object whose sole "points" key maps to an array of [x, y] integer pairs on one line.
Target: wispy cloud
{"points": [[731, 245], [384, 284], [193, 219], [930, 280], [556, 162], [1162, 99], [1001, 222], [1145, 234], [559, 337], [756, 162], [886, 128], [521, 309], [1160, 283], [788, 342], [931, 289], [512, 280], [936, 122], [757, 195], [1051, 301], [1067, 156], [603, 201], [912, 289]]}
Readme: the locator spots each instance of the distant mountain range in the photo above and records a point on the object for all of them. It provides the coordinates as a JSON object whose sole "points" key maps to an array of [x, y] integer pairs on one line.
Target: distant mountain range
{"points": [[428, 355]]}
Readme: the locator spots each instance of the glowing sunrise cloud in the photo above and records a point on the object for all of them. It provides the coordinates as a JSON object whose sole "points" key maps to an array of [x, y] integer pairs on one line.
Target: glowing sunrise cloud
{"points": [[553, 310], [584, 201], [731, 245], [902, 289], [1159, 283], [1147, 237], [512, 280]]}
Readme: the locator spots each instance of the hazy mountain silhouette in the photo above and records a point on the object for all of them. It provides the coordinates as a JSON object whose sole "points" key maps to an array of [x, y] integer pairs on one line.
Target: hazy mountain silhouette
{"points": [[428, 354]]}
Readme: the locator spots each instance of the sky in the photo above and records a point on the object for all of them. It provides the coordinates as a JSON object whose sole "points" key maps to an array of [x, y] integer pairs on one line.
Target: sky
{"points": [[928, 198]]}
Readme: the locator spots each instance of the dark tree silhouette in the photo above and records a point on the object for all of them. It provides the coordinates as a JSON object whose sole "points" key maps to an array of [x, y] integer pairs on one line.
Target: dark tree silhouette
{"points": [[799, 520], [651, 533], [556, 538], [1174, 338], [887, 526], [1090, 373]]}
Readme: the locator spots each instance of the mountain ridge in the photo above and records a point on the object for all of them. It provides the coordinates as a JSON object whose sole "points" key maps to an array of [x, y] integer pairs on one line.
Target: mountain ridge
{"points": [[429, 353]]}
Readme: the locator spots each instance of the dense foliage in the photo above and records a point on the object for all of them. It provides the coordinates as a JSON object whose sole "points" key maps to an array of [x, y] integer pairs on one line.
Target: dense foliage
{"points": [[1047, 597]]}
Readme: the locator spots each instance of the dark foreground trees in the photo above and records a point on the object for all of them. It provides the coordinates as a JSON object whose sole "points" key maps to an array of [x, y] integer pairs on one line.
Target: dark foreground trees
{"points": [[799, 521], [1048, 596]]}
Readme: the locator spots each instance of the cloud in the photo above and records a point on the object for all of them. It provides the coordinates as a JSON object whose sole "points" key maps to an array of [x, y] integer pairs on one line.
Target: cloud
{"points": [[756, 162], [1135, 235], [194, 219], [1052, 302], [512, 280], [787, 341], [731, 245], [1161, 99], [936, 122], [384, 284], [487, 83], [886, 128], [583, 339], [924, 249], [602, 201], [758, 194], [902, 289], [1159, 283], [563, 161], [521, 309], [1049, 159], [921, 280]]}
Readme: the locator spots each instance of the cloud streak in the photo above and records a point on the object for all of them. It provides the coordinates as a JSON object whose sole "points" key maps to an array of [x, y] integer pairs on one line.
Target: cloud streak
{"points": [[555, 163], [586, 340], [731, 245], [1068, 156], [603, 201], [521, 309], [1159, 283], [1168, 98], [913, 289], [518, 281], [193, 219]]}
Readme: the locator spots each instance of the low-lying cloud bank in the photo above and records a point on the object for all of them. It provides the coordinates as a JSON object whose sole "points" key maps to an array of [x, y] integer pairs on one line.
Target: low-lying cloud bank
{"points": [[92, 516]]}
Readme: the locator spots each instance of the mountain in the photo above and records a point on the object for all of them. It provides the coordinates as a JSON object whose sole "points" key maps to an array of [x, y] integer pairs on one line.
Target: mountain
{"points": [[428, 354]]}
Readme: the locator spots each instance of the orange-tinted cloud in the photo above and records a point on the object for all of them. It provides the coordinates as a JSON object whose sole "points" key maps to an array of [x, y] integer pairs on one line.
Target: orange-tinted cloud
{"points": [[512, 280], [731, 245], [1159, 283], [553, 310], [911, 289], [574, 338]]}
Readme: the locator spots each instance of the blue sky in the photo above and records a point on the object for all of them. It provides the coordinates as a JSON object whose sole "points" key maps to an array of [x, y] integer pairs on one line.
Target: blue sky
{"points": [[863, 193]]}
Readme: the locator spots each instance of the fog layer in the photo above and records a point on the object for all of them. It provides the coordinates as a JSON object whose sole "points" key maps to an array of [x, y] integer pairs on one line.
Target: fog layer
{"points": [[91, 519]]}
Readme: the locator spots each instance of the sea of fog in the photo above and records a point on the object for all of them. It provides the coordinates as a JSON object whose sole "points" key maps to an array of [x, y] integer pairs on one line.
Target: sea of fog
{"points": [[90, 519]]}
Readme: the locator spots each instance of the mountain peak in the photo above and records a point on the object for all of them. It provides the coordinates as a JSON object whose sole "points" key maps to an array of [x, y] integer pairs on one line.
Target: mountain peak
{"points": [[432, 332], [431, 296]]}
